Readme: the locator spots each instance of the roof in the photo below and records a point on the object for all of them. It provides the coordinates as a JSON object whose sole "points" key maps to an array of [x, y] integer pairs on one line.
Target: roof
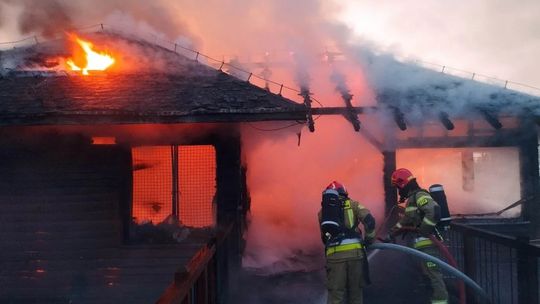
{"points": [[169, 89], [419, 92], [139, 98]]}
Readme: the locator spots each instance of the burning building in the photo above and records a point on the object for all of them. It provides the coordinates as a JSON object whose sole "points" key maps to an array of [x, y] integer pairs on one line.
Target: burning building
{"points": [[117, 182], [124, 180]]}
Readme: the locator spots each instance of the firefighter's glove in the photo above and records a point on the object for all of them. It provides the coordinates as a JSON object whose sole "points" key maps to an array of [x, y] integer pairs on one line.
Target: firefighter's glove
{"points": [[368, 242], [395, 231]]}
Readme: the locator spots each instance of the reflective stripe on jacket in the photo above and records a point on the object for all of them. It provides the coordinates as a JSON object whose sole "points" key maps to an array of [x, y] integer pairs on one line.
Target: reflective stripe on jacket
{"points": [[354, 214], [422, 242], [420, 213], [344, 245]]}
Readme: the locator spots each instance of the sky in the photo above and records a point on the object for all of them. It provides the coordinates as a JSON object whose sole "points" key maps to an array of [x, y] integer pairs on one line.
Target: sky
{"points": [[499, 38]]}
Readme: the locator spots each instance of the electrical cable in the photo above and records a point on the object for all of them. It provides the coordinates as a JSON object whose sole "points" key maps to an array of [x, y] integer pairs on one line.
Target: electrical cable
{"points": [[274, 129]]}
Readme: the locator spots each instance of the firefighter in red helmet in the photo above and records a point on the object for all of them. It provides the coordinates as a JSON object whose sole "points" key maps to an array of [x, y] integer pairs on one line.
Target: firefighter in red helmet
{"points": [[421, 213], [346, 262]]}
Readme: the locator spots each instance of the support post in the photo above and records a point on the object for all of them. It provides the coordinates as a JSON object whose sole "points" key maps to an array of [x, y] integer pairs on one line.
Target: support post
{"points": [[229, 210], [175, 193], [390, 193], [530, 180], [527, 274], [469, 261]]}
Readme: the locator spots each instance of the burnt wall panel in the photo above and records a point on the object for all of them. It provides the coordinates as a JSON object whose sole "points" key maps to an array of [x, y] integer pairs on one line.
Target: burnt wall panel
{"points": [[60, 201]]}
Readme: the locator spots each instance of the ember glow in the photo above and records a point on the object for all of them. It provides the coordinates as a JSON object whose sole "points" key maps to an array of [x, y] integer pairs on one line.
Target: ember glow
{"points": [[89, 60]]}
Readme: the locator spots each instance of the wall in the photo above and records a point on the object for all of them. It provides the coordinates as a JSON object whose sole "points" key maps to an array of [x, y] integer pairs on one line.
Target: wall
{"points": [[476, 180]]}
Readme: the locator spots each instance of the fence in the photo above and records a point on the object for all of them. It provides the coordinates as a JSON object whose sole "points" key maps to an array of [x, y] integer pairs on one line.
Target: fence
{"points": [[505, 267]]}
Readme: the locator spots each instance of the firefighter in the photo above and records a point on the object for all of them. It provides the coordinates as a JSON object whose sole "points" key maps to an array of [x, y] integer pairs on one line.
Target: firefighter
{"points": [[422, 214], [346, 261]]}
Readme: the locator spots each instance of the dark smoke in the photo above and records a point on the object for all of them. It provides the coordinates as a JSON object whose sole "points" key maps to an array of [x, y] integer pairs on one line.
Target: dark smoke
{"points": [[44, 17], [50, 17]]}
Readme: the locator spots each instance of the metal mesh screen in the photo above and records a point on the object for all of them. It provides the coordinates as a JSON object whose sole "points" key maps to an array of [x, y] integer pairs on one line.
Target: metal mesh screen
{"points": [[197, 183], [153, 177], [152, 183]]}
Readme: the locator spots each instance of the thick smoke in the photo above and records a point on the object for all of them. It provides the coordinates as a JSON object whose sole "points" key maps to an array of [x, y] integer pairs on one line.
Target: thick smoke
{"points": [[288, 169], [52, 17], [45, 17]]}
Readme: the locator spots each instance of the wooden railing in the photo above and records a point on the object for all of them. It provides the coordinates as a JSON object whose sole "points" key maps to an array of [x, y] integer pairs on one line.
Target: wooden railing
{"points": [[506, 267], [197, 282]]}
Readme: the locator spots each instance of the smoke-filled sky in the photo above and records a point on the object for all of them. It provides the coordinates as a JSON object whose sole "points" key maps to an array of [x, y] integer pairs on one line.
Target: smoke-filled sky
{"points": [[494, 37], [498, 38]]}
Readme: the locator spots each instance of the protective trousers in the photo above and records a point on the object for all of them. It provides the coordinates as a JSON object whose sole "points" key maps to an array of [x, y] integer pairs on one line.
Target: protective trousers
{"points": [[345, 280], [432, 271]]}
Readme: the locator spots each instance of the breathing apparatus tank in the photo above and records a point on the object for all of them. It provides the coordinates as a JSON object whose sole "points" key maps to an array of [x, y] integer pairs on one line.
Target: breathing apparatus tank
{"points": [[437, 192]]}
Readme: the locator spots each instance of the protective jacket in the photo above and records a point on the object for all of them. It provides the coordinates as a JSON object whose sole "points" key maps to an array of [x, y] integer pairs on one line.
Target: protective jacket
{"points": [[423, 213], [354, 214], [346, 264]]}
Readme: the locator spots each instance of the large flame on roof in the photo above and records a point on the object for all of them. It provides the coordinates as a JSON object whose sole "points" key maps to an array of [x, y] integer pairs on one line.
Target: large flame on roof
{"points": [[89, 60]]}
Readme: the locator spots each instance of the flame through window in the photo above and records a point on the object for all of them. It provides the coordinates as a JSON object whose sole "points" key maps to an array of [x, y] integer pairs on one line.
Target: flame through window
{"points": [[155, 172]]}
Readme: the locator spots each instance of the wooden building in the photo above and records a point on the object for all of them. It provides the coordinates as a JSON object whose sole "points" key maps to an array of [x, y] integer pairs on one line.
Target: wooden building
{"points": [[90, 167]]}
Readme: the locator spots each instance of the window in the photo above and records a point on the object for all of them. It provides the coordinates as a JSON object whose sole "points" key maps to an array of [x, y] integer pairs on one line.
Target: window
{"points": [[178, 180]]}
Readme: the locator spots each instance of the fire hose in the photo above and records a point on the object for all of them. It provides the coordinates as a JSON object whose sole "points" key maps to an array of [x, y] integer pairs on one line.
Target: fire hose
{"points": [[440, 246], [446, 253], [427, 257]]}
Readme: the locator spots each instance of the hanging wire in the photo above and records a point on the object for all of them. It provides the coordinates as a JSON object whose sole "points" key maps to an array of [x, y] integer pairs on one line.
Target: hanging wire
{"points": [[274, 129], [474, 76], [16, 41]]}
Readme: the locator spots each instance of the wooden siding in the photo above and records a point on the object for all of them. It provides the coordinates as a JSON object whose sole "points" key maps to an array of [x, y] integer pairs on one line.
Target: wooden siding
{"points": [[62, 228]]}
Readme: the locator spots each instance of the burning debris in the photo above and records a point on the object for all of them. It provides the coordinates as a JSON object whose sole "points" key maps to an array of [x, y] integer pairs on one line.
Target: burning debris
{"points": [[170, 230]]}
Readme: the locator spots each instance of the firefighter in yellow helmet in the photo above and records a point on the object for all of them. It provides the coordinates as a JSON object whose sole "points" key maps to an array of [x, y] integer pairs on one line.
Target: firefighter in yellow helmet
{"points": [[346, 261], [422, 214]]}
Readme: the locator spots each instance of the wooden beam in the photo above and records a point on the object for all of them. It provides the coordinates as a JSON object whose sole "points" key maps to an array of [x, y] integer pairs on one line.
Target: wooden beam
{"points": [[341, 110], [96, 119], [350, 115], [491, 118], [307, 102], [506, 139]]}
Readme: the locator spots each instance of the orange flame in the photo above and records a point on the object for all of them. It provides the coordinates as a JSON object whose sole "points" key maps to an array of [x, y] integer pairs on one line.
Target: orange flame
{"points": [[95, 61]]}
